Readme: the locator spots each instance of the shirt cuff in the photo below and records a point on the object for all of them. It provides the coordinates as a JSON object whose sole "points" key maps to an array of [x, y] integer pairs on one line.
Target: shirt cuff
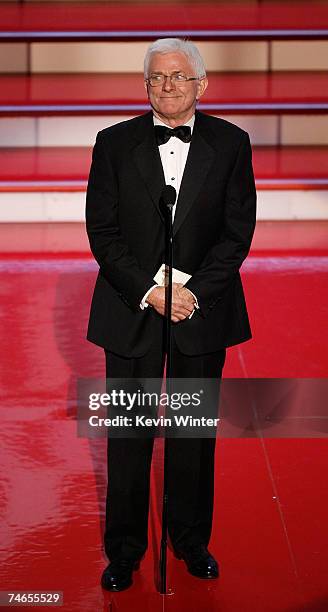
{"points": [[143, 304]]}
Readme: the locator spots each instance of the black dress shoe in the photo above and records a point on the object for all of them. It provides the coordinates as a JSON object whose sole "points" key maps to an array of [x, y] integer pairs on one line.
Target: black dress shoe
{"points": [[199, 561], [118, 574]]}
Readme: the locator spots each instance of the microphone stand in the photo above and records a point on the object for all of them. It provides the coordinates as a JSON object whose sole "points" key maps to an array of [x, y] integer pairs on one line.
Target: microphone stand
{"points": [[168, 303]]}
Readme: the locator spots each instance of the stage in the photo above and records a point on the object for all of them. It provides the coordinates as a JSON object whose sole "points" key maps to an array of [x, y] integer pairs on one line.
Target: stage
{"points": [[270, 533]]}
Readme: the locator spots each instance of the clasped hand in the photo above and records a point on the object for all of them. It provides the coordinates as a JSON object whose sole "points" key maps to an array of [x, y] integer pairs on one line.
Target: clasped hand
{"points": [[183, 302]]}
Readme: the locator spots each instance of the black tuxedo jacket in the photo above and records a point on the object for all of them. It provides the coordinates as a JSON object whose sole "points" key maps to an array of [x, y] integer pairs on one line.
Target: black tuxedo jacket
{"points": [[213, 228]]}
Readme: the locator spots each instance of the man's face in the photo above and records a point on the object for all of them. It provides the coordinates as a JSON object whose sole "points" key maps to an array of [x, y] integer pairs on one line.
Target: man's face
{"points": [[174, 100]]}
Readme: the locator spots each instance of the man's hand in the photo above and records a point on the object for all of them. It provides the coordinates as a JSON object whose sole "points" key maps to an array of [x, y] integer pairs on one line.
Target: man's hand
{"points": [[182, 293], [182, 301]]}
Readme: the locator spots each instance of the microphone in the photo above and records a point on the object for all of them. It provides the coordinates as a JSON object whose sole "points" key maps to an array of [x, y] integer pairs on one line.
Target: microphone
{"points": [[168, 198], [167, 201]]}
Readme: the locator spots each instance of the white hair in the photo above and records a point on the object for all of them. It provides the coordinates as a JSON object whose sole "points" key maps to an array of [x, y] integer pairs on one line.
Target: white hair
{"points": [[174, 45]]}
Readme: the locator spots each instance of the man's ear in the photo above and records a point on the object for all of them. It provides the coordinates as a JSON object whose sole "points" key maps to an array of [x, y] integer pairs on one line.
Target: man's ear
{"points": [[202, 86]]}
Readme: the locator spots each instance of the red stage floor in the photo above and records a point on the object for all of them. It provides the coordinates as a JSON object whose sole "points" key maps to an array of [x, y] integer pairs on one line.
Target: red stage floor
{"points": [[270, 527]]}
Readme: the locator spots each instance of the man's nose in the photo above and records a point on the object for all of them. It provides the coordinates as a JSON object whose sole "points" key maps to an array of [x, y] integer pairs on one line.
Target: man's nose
{"points": [[168, 84]]}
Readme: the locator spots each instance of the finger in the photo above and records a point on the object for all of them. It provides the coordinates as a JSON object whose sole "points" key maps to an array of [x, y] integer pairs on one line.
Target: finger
{"points": [[178, 303], [182, 307], [181, 313], [178, 318], [187, 297], [160, 310], [184, 294]]}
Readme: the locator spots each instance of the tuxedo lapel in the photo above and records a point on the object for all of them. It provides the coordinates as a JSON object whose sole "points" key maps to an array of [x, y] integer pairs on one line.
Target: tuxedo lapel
{"points": [[147, 159], [200, 158]]}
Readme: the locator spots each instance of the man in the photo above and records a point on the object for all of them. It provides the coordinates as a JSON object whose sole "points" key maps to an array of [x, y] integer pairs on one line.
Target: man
{"points": [[208, 161]]}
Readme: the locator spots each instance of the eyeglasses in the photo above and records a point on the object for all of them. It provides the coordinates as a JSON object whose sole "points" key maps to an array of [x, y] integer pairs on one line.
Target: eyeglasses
{"points": [[177, 77]]}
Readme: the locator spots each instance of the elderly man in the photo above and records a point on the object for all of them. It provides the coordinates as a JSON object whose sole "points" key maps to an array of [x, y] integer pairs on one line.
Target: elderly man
{"points": [[208, 161]]}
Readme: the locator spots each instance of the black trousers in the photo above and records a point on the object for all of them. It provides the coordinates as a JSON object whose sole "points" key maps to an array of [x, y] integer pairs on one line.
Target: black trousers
{"points": [[190, 465]]}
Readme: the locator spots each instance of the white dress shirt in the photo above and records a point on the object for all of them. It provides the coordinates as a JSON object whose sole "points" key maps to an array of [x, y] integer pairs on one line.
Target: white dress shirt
{"points": [[174, 155]]}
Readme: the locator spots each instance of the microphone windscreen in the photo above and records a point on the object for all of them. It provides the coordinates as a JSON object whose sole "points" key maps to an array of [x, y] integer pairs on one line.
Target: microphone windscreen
{"points": [[168, 196]]}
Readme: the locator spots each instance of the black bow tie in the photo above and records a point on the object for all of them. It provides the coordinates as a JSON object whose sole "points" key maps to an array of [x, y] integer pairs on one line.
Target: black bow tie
{"points": [[163, 134]]}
